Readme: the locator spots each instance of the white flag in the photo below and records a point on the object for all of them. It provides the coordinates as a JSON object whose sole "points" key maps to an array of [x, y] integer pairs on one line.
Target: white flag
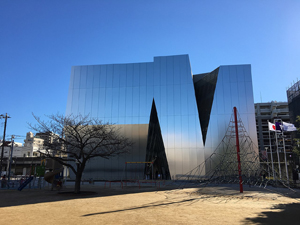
{"points": [[272, 126], [289, 126]]}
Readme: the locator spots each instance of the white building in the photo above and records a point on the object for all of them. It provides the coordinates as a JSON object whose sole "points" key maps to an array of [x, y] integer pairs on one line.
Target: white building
{"points": [[33, 144], [30, 148], [18, 150]]}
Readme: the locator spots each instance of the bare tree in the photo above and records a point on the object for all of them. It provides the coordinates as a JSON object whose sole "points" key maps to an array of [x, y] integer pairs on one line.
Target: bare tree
{"points": [[80, 138]]}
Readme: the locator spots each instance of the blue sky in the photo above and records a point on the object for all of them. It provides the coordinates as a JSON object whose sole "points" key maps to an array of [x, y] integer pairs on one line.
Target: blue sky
{"points": [[40, 40]]}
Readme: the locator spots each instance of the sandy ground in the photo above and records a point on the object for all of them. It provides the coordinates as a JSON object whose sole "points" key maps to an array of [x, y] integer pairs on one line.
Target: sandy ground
{"points": [[149, 205]]}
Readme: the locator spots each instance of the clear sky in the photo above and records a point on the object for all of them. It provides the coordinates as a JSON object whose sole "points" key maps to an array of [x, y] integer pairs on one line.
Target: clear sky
{"points": [[40, 40]]}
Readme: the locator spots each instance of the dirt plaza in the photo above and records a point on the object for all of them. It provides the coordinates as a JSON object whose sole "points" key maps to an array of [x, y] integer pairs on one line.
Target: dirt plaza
{"points": [[151, 205]]}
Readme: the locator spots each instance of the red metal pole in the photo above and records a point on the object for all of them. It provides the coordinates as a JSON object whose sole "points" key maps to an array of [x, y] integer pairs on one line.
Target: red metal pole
{"points": [[238, 150]]}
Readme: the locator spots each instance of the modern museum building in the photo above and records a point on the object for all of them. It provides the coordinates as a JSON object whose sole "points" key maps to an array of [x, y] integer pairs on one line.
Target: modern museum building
{"points": [[176, 119]]}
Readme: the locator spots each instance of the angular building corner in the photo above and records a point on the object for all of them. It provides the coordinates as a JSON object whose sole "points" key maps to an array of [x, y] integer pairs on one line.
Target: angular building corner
{"points": [[176, 119]]}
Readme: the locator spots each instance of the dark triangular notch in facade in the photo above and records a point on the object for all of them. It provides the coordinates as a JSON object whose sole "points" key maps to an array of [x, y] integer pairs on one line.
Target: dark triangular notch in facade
{"points": [[155, 151], [205, 85]]}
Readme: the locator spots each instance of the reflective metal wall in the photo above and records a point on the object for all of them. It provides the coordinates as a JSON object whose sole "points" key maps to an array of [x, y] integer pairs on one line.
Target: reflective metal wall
{"points": [[123, 94], [115, 168], [233, 89]]}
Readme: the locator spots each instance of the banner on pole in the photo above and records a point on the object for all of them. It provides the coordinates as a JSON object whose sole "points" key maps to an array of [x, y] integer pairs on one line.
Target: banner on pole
{"points": [[272, 126], [278, 126], [288, 127]]}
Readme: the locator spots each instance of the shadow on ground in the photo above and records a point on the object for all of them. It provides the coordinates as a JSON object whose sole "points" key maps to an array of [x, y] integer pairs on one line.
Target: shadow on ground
{"points": [[284, 214], [234, 190], [34, 196], [143, 207]]}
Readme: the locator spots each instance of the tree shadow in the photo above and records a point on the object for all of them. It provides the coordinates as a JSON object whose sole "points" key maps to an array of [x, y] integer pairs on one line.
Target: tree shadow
{"points": [[288, 214], [12, 197], [143, 207]]}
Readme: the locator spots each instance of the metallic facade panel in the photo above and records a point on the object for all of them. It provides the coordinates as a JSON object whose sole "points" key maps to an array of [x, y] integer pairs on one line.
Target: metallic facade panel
{"points": [[109, 75], [102, 76], [123, 94], [90, 77], [76, 77], [231, 92], [83, 77], [114, 168]]}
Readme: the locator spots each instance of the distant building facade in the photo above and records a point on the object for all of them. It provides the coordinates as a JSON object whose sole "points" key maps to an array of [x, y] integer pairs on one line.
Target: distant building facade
{"points": [[271, 111], [48, 137], [18, 150], [23, 157], [33, 144], [293, 96]]}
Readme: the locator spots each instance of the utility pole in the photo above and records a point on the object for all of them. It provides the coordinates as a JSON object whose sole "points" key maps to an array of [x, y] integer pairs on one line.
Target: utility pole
{"points": [[10, 160], [3, 141]]}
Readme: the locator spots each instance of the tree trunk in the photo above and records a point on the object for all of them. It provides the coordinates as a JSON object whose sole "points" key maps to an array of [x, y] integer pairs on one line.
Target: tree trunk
{"points": [[78, 180]]}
